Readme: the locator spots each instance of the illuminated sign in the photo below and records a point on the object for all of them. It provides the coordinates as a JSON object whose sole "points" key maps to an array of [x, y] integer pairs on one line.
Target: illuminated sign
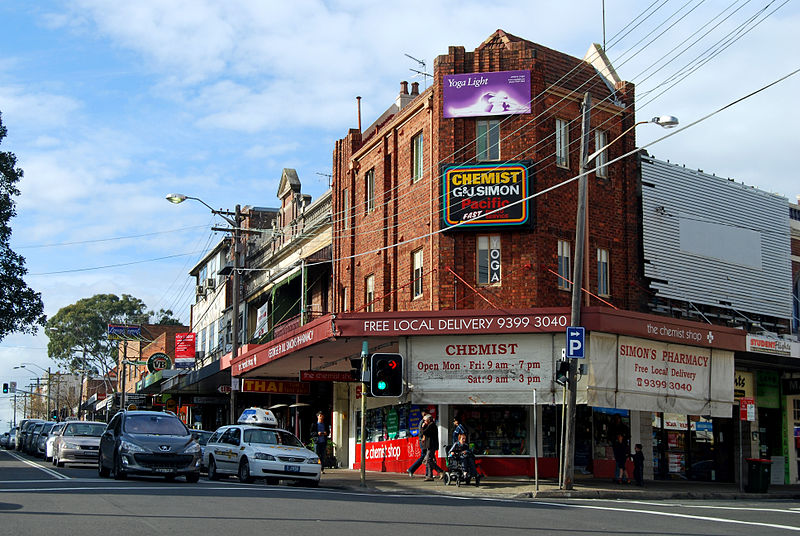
{"points": [[485, 195]]}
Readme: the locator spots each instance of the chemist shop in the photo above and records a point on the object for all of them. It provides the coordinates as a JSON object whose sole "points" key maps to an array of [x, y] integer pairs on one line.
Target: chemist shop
{"points": [[664, 383]]}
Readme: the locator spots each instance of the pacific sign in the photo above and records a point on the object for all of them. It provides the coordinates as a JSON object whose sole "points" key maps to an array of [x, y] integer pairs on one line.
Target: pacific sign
{"points": [[485, 195]]}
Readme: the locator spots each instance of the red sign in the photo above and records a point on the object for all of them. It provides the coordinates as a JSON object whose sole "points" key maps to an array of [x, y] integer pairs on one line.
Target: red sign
{"points": [[325, 376], [747, 409], [224, 389], [275, 386]]}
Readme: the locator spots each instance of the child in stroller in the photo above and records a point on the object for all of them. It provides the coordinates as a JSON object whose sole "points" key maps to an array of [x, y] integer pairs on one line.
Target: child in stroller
{"points": [[461, 464]]}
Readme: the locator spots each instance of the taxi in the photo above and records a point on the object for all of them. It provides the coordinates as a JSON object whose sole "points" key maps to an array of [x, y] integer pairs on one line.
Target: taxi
{"points": [[256, 448]]}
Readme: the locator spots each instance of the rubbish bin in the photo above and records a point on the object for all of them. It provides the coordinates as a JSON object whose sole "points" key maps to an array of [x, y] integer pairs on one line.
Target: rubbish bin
{"points": [[758, 475]]}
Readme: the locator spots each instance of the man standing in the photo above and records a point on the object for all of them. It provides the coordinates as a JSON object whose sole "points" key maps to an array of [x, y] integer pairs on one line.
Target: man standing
{"points": [[430, 434], [416, 464], [320, 433]]}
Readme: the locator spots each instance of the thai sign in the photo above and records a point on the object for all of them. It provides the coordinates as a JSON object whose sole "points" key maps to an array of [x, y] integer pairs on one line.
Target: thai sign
{"points": [[485, 195], [275, 387], [184, 350], [486, 94]]}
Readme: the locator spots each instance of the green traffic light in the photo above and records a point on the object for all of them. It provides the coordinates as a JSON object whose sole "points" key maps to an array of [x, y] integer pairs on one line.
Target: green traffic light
{"points": [[381, 385]]}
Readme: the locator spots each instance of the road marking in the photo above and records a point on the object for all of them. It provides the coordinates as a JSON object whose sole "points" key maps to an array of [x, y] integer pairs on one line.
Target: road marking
{"points": [[54, 474], [706, 506], [671, 514]]}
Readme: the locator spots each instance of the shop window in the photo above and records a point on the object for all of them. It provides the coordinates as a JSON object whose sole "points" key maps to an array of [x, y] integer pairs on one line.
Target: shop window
{"points": [[416, 157], [393, 422], [489, 260], [416, 273], [562, 143], [494, 430], [602, 272], [601, 160], [487, 139], [564, 265], [369, 293], [369, 190]]}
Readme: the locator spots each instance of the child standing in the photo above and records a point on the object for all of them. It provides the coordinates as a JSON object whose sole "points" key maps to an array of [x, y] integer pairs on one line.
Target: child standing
{"points": [[638, 465]]}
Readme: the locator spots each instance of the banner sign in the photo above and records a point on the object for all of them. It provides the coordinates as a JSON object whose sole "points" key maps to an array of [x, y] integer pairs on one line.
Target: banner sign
{"points": [[275, 387], [185, 350], [485, 195], [120, 332], [262, 320], [326, 376], [768, 345], [486, 94]]}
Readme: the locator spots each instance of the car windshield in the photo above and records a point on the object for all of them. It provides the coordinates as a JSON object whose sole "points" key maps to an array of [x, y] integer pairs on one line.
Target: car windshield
{"points": [[154, 425], [202, 437], [271, 437], [84, 429]]}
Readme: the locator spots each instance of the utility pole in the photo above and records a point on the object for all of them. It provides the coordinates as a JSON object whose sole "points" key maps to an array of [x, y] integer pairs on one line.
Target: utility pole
{"points": [[577, 284], [235, 315], [48, 392], [364, 356]]}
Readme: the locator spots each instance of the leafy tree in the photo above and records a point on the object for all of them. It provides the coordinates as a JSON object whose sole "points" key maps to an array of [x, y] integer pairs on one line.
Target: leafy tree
{"points": [[78, 333], [21, 309], [163, 318]]}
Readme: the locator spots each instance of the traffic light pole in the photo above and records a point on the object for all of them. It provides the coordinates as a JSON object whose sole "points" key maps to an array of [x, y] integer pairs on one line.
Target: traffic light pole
{"points": [[364, 357]]}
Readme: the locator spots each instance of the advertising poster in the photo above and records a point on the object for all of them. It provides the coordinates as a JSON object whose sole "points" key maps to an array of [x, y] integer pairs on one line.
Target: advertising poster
{"points": [[485, 195], [184, 350], [486, 94]]}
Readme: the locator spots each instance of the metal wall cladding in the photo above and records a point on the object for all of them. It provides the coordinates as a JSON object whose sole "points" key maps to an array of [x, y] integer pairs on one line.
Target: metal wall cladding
{"points": [[745, 263]]}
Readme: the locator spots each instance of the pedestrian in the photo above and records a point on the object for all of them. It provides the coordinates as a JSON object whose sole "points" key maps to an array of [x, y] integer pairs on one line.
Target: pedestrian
{"points": [[621, 456], [458, 429], [320, 433], [430, 434], [638, 465], [414, 466]]}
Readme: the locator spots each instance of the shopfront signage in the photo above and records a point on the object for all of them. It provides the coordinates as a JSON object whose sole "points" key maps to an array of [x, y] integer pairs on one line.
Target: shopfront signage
{"points": [[486, 94], [768, 345], [158, 361], [118, 332], [275, 387], [317, 331], [325, 376], [485, 195], [743, 385]]}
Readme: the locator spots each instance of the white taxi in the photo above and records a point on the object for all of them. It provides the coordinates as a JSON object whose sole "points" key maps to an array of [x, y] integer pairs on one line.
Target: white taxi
{"points": [[257, 448]]}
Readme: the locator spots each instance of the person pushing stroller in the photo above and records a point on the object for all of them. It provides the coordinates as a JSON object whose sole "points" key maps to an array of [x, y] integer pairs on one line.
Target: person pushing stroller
{"points": [[460, 459]]}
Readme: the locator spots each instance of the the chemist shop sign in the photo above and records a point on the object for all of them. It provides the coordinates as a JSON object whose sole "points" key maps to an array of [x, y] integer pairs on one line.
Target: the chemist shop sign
{"points": [[480, 370], [485, 195]]}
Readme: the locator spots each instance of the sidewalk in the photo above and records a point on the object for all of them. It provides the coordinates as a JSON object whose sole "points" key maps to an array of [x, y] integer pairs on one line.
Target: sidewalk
{"points": [[525, 488]]}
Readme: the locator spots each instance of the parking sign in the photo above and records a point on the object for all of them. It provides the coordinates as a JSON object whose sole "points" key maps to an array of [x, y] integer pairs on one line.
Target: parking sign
{"points": [[575, 342]]}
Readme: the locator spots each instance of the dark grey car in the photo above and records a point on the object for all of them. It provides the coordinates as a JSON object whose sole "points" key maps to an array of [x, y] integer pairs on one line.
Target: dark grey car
{"points": [[148, 443]]}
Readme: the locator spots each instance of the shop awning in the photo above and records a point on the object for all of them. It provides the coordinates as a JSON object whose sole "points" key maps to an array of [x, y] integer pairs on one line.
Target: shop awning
{"points": [[151, 384], [206, 380]]}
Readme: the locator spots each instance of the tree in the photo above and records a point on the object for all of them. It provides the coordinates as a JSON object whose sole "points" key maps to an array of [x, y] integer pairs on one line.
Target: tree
{"points": [[163, 318], [78, 333], [21, 309]]}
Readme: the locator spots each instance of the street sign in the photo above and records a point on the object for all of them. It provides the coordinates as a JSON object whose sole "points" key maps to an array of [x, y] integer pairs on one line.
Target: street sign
{"points": [[747, 409], [575, 342]]}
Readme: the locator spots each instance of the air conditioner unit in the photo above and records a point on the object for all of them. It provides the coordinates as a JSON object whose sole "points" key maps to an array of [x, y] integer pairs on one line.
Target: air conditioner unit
{"points": [[200, 290], [211, 284]]}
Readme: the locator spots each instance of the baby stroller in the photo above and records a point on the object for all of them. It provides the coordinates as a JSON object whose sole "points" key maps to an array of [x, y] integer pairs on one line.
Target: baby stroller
{"points": [[461, 469]]}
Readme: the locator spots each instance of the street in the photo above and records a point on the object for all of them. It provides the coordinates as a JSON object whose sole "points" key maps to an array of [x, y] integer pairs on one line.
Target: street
{"points": [[36, 498]]}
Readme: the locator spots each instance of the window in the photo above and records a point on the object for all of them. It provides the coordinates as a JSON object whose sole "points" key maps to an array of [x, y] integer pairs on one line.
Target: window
{"points": [[602, 272], [601, 161], [369, 190], [562, 143], [344, 299], [416, 158], [488, 139], [202, 338], [488, 259], [416, 274], [345, 209], [210, 337], [564, 264], [369, 293]]}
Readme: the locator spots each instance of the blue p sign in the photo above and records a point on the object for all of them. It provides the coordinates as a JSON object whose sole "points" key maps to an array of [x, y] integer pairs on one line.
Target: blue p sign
{"points": [[575, 342]]}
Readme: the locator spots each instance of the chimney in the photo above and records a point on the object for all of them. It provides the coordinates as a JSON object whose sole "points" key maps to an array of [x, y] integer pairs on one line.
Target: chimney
{"points": [[414, 88], [403, 98], [404, 88]]}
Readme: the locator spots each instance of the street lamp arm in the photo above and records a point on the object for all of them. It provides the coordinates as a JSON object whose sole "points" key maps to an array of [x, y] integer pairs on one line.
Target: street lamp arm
{"points": [[666, 121], [224, 214]]}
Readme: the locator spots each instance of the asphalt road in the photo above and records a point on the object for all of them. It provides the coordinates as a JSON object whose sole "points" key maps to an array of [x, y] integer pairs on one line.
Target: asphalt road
{"points": [[37, 499]]}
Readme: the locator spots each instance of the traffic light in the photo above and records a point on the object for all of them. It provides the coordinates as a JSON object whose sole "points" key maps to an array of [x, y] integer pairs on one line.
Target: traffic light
{"points": [[386, 375], [5, 388], [54, 415], [561, 372]]}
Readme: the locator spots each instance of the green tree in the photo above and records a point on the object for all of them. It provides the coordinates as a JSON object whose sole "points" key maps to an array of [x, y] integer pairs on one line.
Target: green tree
{"points": [[78, 333], [163, 318], [21, 309]]}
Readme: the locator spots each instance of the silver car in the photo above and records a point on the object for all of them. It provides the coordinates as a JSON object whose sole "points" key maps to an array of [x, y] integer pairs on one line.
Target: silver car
{"points": [[55, 431], [79, 442]]}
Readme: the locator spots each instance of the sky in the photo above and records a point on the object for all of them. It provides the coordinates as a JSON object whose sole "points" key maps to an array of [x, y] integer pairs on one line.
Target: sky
{"points": [[110, 106]]}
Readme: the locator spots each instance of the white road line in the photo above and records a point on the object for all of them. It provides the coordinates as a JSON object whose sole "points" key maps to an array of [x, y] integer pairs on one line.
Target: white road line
{"points": [[706, 506], [54, 474], [672, 514]]}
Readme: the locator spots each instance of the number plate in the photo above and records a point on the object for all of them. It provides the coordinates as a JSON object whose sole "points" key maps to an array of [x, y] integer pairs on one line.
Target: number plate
{"points": [[291, 468], [164, 470]]}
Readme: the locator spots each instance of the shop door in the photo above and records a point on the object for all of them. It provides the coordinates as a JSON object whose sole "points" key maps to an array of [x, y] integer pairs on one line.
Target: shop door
{"points": [[725, 453]]}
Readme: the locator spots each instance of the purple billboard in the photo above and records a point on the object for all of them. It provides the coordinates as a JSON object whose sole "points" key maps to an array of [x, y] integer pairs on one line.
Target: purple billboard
{"points": [[478, 94]]}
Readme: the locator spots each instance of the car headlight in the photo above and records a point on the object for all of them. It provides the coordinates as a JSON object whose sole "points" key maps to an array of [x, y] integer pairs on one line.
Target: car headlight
{"points": [[70, 445], [313, 461], [264, 456], [130, 448], [193, 449]]}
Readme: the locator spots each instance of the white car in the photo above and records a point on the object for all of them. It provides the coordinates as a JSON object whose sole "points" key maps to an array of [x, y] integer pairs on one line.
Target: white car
{"points": [[260, 450], [55, 431]]}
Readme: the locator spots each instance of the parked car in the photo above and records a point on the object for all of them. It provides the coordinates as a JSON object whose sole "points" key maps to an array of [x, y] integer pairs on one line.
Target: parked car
{"points": [[30, 437], [40, 441], [24, 428], [55, 431], [202, 437], [4, 440], [12, 438], [78, 442], [148, 443], [257, 448]]}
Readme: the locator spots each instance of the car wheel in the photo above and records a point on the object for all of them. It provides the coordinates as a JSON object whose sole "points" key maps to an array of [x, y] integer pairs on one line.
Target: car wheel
{"points": [[244, 472], [212, 470], [59, 463], [192, 478], [102, 470], [119, 472]]}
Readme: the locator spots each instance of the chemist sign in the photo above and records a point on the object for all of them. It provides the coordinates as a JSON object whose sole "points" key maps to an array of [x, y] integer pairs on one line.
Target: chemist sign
{"points": [[485, 195]]}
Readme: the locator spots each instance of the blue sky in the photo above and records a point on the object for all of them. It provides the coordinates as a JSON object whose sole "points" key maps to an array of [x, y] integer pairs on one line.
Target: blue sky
{"points": [[111, 105]]}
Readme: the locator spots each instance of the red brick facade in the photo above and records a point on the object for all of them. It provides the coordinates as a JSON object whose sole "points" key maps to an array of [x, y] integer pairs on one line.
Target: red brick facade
{"points": [[407, 215]]}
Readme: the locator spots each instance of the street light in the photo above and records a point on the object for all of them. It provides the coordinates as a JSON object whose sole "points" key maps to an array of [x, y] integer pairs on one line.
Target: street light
{"points": [[46, 371], [666, 121], [234, 219]]}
